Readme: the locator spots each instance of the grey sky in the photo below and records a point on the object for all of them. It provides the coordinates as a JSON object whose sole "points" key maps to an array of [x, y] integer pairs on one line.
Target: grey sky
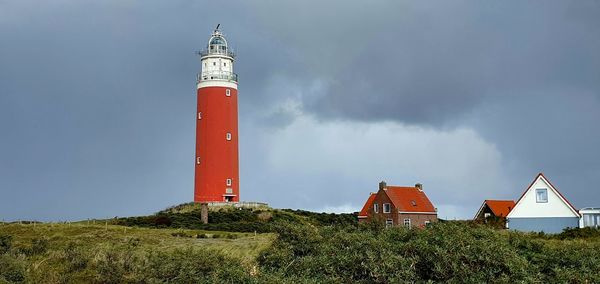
{"points": [[470, 98]]}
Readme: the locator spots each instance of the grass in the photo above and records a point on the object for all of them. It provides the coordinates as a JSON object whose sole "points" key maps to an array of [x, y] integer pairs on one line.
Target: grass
{"points": [[80, 253], [305, 247], [244, 246]]}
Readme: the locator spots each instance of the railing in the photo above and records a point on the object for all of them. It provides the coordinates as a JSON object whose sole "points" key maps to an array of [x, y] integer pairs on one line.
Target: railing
{"points": [[217, 75], [203, 53]]}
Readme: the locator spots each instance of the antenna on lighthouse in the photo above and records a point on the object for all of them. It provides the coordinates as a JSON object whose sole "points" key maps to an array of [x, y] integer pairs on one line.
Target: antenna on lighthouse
{"points": [[217, 28]]}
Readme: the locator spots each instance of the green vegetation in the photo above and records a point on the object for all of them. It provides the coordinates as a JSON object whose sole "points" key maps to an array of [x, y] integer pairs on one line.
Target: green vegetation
{"points": [[232, 219], [304, 248], [78, 253]]}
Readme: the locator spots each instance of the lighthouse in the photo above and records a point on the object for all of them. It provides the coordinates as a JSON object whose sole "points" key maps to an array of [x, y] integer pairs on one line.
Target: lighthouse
{"points": [[216, 161]]}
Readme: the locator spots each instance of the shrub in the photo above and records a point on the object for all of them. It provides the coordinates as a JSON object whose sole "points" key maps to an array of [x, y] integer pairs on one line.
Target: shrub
{"points": [[5, 243], [11, 269], [75, 258], [443, 253], [578, 233], [109, 269], [36, 246], [179, 234], [193, 266]]}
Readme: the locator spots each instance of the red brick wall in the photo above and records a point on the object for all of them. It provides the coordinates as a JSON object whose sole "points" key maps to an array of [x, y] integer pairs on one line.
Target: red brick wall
{"points": [[417, 220]]}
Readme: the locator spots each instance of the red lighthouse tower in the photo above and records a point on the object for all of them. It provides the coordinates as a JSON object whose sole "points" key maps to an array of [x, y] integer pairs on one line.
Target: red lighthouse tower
{"points": [[216, 165]]}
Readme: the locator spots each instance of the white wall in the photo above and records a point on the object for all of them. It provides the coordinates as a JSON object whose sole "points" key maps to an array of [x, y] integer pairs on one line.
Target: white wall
{"points": [[217, 63], [528, 207]]}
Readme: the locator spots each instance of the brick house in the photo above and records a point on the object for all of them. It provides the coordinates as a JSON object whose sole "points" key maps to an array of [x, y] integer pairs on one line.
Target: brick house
{"points": [[399, 206]]}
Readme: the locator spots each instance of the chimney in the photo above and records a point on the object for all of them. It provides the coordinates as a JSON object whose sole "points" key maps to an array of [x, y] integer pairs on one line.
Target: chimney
{"points": [[419, 186], [382, 185]]}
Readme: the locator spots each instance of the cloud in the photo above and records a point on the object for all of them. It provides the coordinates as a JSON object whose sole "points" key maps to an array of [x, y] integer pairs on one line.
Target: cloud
{"points": [[337, 163]]}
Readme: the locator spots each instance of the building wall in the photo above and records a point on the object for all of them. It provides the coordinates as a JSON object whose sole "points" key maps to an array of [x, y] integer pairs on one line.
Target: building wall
{"points": [[416, 220], [216, 157], [382, 198], [529, 208], [551, 225]]}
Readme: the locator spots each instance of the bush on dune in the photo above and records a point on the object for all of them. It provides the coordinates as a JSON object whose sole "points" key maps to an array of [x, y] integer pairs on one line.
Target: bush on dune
{"points": [[445, 252]]}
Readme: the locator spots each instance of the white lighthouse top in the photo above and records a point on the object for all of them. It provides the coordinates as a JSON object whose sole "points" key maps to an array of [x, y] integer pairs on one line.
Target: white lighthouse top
{"points": [[217, 45], [217, 63]]}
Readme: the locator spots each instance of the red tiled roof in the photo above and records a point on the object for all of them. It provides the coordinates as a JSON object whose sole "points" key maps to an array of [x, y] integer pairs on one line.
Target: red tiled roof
{"points": [[364, 212], [409, 199], [500, 207]]}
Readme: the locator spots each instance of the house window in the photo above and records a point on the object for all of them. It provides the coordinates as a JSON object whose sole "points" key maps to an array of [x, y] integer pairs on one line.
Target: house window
{"points": [[199, 115], [389, 223], [228, 92], [407, 223], [228, 182], [427, 223], [228, 136], [197, 160], [387, 208], [541, 195], [486, 215], [376, 208]]}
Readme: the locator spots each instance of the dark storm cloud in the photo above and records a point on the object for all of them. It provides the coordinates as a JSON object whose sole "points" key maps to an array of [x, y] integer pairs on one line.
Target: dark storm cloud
{"points": [[426, 63]]}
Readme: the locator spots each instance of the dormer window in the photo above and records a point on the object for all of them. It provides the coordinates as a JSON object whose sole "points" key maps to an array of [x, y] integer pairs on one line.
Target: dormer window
{"points": [[414, 203]]}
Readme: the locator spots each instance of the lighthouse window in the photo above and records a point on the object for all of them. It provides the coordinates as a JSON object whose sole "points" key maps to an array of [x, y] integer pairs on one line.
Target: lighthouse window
{"points": [[199, 115], [228, 136], [214, 63], [228, 92], [228, 182], [224, 63], [198, 160]]}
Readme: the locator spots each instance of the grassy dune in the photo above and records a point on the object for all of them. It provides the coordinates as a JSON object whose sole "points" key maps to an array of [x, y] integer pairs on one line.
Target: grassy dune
{"points": [[304, 247], [74, 253], [244, 246]]}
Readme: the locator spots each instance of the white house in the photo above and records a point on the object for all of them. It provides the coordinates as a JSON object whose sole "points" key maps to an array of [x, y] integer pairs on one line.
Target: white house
{"points": [[542, 208], [590, 217]]}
